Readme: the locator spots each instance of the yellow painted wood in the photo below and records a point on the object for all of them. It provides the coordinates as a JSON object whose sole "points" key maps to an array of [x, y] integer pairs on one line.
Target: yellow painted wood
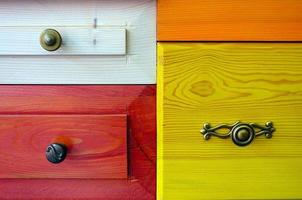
{"points": [[223, 83]]}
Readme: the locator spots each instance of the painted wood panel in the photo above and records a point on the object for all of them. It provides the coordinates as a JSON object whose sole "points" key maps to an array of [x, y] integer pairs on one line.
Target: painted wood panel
{"points": [[138, 102], [75, 41], [229, 20], [97, 146], [222, 83], [70, 189], [104, 62], [47, 13]]}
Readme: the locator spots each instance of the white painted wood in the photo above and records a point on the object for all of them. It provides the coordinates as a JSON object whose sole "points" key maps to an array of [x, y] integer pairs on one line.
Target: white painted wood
{"points": [[75, 41], [47, 12], [79, 61]]}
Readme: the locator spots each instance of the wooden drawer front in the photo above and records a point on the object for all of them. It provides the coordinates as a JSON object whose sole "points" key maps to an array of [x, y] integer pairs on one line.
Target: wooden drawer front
{"points": [[231, 20], [97, 146], [111, 156], [103, 42], [77, 41], [222, 83]]}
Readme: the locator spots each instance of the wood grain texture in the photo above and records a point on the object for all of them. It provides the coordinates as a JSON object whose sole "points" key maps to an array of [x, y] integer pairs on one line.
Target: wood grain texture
{"points": [[67, 189], [138, 102], [223, 83], [229, 20], [86, 57], [97, 146]]}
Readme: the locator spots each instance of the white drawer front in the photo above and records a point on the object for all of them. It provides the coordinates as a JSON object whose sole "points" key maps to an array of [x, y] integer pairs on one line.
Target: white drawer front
{"points": [[75, 41], [103, 42]]}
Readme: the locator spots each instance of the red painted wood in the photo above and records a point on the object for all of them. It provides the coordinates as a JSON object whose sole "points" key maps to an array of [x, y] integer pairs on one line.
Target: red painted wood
{"points": [[38, 99], [80, 189], [97, 146], [137, 101]]}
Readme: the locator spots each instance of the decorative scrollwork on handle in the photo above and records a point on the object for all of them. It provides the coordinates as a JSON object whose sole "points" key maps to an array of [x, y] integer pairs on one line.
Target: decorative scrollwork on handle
{"points": [[242, 134]]}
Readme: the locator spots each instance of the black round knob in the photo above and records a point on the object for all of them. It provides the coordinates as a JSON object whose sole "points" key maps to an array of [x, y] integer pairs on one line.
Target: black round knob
{"points": [[56, 153]]}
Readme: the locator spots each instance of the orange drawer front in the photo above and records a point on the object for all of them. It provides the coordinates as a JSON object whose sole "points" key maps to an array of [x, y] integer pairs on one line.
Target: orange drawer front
{"points": [[96, 146], [229, 20]]}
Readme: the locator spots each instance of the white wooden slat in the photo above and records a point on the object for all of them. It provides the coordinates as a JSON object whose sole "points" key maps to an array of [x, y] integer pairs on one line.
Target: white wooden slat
{"points": [[84, 64], [46, 12], [75, 41], [76, 70]]}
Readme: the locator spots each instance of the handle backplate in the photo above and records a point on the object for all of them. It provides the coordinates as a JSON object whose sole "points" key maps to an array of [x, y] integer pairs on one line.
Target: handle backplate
{"points": [[242, 134]]}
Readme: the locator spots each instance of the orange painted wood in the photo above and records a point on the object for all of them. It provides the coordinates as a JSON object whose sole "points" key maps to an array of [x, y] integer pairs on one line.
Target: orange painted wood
{"points": [[138, 102], [97, 146], [229, 20]]}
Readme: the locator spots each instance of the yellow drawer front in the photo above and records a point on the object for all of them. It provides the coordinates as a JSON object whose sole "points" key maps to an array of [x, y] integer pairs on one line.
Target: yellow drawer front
{"points": [[223, 83]]}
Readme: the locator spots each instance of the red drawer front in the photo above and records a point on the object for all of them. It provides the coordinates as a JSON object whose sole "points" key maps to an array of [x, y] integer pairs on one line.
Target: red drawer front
{"points": [[35, 116], [97, 146]]}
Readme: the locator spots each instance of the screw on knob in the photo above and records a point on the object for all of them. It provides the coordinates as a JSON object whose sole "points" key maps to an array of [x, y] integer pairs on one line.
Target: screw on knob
{"points": [[56, 153], [50, 40], [243, 134]]}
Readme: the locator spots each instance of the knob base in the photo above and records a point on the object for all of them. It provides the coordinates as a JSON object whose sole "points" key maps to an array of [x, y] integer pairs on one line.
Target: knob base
{"points": [[50, 40]]}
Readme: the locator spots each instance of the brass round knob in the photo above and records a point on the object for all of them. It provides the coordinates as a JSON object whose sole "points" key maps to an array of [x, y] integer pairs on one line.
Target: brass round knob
{"points": [[243, 134], [56, 153], [50, 40]]}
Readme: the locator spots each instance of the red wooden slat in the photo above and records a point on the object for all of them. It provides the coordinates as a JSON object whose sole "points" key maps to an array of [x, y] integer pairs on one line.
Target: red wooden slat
{"points": [[64, 189], [39, 99]]}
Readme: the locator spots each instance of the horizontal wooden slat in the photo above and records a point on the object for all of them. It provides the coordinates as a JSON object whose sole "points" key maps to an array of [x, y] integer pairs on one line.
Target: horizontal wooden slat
{"points": [[75, 41], [229, 20], [47, 13], [70, 189], [67, 99], [30, 13]]}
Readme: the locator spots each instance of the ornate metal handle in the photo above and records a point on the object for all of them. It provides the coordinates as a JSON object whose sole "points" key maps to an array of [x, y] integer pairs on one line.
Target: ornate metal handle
{"points": [[50, 40], [242, 134]]}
